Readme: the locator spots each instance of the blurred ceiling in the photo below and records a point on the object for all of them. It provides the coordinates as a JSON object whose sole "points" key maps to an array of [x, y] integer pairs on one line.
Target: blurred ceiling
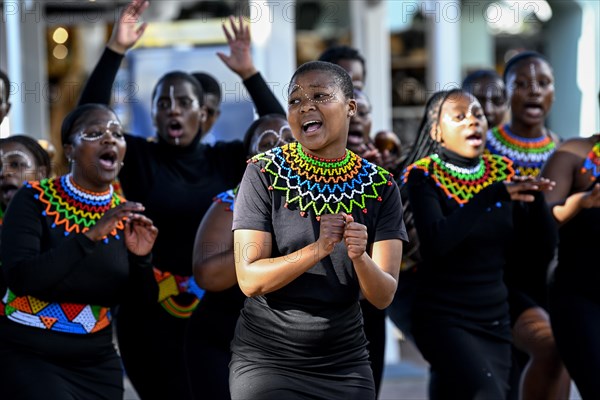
{"points": [[77, 11]]}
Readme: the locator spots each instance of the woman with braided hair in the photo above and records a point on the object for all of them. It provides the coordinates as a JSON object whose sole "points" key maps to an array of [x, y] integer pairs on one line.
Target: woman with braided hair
{"points": [[467, 208]]}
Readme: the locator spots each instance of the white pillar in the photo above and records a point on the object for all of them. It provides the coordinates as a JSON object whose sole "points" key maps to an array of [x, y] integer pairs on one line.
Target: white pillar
{"points": [[26, 48], [371, 36], [588, 68], [273, 43], [443, 19]]}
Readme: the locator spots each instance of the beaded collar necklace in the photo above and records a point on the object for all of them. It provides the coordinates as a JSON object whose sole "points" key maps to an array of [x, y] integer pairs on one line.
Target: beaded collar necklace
{"points": [[322, 186], [461, 184], [528, 154], [592, 162], [73, 207]]}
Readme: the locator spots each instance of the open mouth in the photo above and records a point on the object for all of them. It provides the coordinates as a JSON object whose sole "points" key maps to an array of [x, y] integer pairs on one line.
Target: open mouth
{"points": [[475, 139], [108, 159], [355, 138], [534, 110], [7, 191], [311, 126], [175, 129]]}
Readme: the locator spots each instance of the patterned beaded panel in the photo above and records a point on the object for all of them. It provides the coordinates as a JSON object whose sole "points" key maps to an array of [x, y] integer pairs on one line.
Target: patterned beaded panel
{"points": [[73, 209], [322, 186], [528, 155], [461, 184], [63, 317]]}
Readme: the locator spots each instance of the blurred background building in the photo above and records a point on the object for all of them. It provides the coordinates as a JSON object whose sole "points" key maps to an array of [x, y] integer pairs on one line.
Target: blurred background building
{"points": [[412, 48]]}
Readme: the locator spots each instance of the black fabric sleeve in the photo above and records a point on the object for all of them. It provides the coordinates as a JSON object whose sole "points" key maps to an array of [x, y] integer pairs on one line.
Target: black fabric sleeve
{"points": [[438, 233], [253, 202], [230, 158], [535, 227], [390, 224], [141, 278], [27, 268], [98, 88], [262, 96]]}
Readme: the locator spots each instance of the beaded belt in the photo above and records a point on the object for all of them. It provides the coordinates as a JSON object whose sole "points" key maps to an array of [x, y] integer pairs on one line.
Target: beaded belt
{"points": [[170, 285], [58, 317]]}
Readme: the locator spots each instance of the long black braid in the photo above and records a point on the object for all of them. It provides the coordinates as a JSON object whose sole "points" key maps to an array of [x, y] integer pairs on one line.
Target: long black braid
{"points": [[423, 147]]}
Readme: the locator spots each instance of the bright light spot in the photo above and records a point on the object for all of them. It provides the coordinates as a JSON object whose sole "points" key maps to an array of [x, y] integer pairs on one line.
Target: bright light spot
{"points": [[544, 11], [60, 35], [60, 51]]}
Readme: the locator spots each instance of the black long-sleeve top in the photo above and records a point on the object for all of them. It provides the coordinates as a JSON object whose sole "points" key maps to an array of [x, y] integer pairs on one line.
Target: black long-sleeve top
{"points": [[467, 249], [49, 263], [176, 185]]}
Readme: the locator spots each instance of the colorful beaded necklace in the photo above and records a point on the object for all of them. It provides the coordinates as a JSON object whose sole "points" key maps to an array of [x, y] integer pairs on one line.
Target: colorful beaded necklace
{"points": [[73, 207], [592, 162], [323, 186], [459, 183], [528, 154]]}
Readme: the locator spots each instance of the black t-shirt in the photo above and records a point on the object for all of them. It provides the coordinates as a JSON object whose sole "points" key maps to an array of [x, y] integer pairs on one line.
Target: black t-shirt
{"points": [[317, 315]]}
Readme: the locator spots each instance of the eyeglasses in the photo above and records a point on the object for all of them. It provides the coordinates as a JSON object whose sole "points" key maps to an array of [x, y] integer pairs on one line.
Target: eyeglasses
{"points": [[270, 138], [184, 103], [94, 133]]}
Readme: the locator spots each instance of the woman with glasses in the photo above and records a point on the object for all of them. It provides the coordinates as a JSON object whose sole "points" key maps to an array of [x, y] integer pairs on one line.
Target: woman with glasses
{"points": [[176, 178], [207, 350], [71, 250]]}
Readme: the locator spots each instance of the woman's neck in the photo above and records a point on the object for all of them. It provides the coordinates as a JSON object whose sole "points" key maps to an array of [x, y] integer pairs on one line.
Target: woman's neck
{"points": [[327, 154], [521, 129], [458, 160], [88, 186]]}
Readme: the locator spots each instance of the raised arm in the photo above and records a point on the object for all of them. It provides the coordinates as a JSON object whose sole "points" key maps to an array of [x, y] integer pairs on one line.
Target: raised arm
{"points": [[240, 62], [125, 34]]}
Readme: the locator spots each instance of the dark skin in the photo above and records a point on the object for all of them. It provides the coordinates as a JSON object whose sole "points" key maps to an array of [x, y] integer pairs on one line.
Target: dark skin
{"points": [[140, 233], [530, 89], [213, 261], [572, 192], [491, 94], [17, 165], [4, 104], [355, 70], [319, 114]]}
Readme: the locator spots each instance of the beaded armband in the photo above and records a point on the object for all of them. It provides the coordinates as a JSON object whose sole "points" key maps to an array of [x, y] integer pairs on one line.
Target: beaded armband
{"points": [[592, 162]]}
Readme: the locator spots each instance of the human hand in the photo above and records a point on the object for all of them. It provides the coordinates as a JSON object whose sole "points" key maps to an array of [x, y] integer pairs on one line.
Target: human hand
{"points": [[140, 234], [521, 187], [355, 237], [331, 231], [126, 31], [240, 59], [591, 198], [111, 219]]}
